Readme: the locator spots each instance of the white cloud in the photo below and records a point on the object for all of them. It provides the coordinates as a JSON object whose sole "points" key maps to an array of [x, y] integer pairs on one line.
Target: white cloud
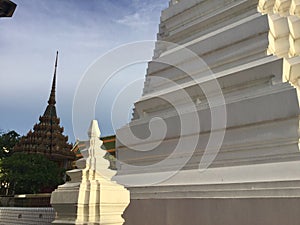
{"points": [[143, 14], [134, 20]]}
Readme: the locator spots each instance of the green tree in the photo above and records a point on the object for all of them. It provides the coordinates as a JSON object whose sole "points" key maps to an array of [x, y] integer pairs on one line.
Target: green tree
{"points": [[24, 173], [7, 142]]}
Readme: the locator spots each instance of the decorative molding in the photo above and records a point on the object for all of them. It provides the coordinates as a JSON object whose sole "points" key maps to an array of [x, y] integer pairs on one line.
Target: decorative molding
{"points": [[284, 35], [225, 182]]}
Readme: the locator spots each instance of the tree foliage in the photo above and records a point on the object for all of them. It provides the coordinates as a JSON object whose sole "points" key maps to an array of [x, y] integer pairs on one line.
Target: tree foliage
{"points": [[24, 173], [7, 142]]}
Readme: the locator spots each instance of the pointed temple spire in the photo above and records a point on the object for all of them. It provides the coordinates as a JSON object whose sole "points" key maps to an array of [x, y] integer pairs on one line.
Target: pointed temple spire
{"points": [[47, 137], [51, 110], [52, 94]]}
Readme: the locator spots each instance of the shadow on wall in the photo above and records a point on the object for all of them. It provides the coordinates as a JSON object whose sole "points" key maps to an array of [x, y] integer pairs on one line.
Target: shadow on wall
{"points": [[258, 211]]}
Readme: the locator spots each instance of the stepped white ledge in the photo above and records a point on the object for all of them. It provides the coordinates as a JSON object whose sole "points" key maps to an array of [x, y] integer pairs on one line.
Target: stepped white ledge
{"points": [[295, 7], [291, 68], [227, 175]]}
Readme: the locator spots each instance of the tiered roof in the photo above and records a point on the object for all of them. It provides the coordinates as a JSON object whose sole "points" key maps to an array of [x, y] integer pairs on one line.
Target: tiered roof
{"points": [[47, 137]]}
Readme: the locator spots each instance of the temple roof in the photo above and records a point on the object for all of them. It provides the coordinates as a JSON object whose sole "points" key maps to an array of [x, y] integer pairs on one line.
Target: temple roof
{"points": [[51, 109], [47, 136]]}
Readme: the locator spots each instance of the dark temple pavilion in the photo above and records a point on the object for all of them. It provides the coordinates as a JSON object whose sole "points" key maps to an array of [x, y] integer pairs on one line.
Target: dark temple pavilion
{"points": [[47, 137]]}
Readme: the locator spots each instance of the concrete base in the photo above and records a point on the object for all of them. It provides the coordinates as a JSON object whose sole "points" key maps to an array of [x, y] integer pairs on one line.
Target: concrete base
{"points": [[214, 211], [65, 198], [26, 216]]}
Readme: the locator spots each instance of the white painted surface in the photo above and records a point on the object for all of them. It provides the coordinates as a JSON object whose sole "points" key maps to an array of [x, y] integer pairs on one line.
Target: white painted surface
{"points": [[91, 197], [284, 35], [260, 147]]}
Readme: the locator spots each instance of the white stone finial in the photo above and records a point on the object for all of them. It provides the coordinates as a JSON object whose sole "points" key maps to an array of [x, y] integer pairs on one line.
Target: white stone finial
{"points": [[95, 198], [98, 194], [94, 130]]}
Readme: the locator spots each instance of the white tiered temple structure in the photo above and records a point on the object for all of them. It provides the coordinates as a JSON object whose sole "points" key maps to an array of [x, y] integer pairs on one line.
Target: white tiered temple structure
{"points": [[90, 197], [229, 150]]}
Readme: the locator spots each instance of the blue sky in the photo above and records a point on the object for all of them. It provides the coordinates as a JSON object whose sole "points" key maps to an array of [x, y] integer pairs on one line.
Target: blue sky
{"points": [[81, 31]]}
